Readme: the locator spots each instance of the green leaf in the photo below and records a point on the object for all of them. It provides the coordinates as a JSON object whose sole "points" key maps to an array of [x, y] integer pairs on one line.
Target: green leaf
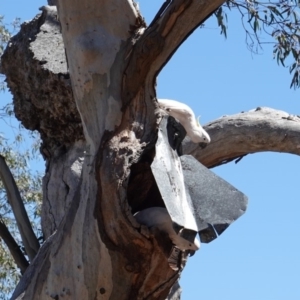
{"points": [[256, 25], [295, 53], [292, 67], [275, 11]]}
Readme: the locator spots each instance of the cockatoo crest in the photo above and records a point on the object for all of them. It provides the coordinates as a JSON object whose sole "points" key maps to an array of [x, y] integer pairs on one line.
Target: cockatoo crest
{"points": [[187, 119], [198, 120]]}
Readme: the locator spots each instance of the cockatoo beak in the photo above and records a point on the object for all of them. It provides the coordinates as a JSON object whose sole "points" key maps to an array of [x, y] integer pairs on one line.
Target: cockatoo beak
{"points": [[186, 117], [202, 145]]}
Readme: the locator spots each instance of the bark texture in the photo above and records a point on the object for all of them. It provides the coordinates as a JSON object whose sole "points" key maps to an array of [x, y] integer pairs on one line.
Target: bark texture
{"points": [[260, 129], [98, 127], [37, 75]]}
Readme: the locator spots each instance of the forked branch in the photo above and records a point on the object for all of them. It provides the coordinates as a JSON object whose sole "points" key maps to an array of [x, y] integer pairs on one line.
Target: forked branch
{"points": [[173, 23], [29, 239], [13, 247]]}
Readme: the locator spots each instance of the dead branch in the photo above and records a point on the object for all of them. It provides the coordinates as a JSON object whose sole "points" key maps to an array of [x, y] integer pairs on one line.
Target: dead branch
{"points": [[258, 130], [29, 239], [13, 247]]}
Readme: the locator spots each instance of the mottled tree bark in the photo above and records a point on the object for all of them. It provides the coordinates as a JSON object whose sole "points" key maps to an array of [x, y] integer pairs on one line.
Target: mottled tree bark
{"points": [[98, 117]]}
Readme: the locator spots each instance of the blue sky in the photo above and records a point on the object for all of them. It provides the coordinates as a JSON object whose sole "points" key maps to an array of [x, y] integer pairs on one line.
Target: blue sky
{"points": [[258, 257]]}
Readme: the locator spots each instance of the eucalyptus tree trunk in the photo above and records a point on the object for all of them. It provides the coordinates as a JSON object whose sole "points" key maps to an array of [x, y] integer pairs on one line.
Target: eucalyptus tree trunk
{"points": [[97, 127], [94, 248]]}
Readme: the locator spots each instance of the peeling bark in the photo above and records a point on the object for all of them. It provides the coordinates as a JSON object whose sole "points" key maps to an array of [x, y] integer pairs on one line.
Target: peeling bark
{"points": [[90, 243], [98, 127], [60, 185]]}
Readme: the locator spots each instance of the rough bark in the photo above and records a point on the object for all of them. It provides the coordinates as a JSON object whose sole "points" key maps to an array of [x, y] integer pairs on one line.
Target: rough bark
{"points": [[60, 185], [37, 75], [96, 132]]}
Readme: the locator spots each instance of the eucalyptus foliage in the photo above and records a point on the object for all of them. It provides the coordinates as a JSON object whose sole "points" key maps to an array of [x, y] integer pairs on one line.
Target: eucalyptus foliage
{"points": [[18, 157], [29, 184], [6, 31], [277, 20]]}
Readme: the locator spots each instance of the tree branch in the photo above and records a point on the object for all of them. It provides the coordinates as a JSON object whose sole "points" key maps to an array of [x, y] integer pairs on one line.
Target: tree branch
{"points": [[13, 247], [29, 239], [173, 23], [93, 49], [259, 130]]}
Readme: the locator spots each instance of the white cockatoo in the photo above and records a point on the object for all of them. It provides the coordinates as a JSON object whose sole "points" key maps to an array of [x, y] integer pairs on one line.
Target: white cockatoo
{"points": [[187, 119], [159, 217]]}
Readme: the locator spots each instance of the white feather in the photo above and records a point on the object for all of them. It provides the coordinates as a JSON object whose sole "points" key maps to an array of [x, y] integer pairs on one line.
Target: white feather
{"points": [[187, 119], [160, 218]]}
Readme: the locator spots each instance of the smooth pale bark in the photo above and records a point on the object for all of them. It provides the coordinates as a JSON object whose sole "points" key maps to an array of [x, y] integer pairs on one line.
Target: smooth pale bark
{"points": [[94, 247], [29, 239], [168, 30], [99, 221], [258, 130]]}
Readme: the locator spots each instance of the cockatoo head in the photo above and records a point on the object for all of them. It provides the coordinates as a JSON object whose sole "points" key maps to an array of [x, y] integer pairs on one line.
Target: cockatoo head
{"points": [[187, 119], [203, 138]]}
